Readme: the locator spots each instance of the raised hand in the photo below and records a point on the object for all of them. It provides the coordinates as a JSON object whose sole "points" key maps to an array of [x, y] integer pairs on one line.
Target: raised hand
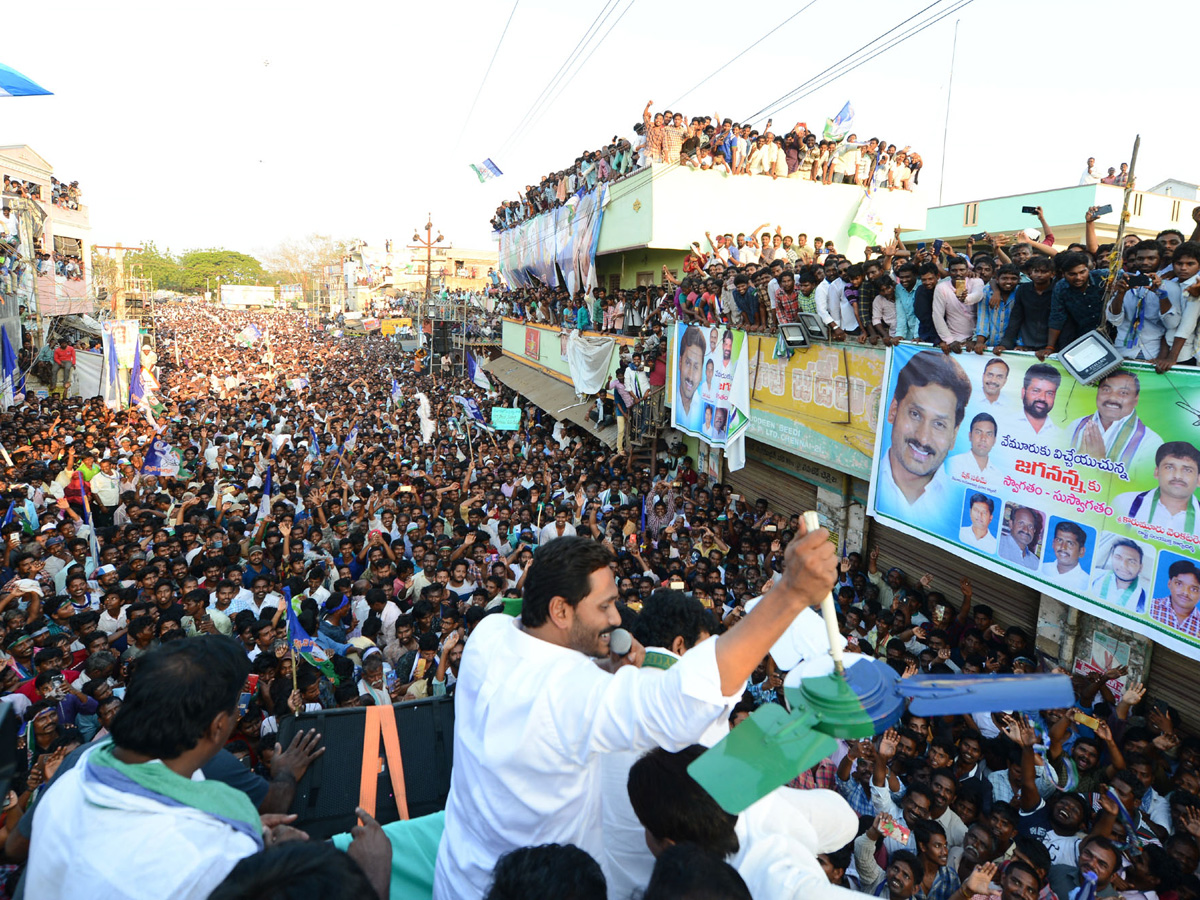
{"points": [[888, 744]]}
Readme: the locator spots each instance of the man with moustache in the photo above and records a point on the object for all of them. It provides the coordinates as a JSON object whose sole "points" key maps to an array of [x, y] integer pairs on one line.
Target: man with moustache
{"points": [[1065, 568], [1018, 545], [927, 408], [1178, 609], [1033, 426], [1172, 504], [1119, 585], [1115, 431], [974, 467], [528, 750]]}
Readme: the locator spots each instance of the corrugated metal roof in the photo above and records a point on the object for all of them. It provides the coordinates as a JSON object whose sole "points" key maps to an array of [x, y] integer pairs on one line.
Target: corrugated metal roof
{"points": [[557, 398]]}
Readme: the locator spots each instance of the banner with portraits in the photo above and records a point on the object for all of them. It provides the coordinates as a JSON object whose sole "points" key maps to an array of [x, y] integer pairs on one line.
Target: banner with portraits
{"points": [[710, 386], [1086, 493]]}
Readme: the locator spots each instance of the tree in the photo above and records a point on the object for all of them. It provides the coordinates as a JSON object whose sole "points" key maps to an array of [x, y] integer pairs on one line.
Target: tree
{"points": [[160, 266], [200, 266], [292, 261]]}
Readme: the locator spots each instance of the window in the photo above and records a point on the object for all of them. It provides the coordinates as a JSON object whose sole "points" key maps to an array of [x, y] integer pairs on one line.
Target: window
{"points": [[1175, 211], [645, 278], [614, 283], [1137, 204], [971, 214]]}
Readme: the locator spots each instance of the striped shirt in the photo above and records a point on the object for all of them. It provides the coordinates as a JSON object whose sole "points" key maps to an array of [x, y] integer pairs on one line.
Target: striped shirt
{"points": [[993, 321]]}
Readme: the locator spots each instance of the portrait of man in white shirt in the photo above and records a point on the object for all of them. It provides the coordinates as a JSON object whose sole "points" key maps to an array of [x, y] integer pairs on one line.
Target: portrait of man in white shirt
{"points": [[1033, 424], [1173, 503], [1115, 431], [1064, 562], [927, 408], [979, 534], [975, 467], [1118, 582]]}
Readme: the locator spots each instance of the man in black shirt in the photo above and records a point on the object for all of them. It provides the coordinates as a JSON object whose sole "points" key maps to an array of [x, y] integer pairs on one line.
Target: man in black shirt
{"points": [[1028, 321]]}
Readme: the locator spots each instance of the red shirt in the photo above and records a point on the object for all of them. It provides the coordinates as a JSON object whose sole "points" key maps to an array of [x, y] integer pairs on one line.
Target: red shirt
{"points": [[64, 355]]}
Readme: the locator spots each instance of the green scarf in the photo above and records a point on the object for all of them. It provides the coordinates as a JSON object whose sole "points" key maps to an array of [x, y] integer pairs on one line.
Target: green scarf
{"points": [[153, 779]]}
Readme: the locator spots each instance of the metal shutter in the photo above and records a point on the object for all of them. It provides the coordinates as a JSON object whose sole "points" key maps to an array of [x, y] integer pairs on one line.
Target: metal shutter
{"points": [[787, 494], [1014, 604], [1173, 678]]}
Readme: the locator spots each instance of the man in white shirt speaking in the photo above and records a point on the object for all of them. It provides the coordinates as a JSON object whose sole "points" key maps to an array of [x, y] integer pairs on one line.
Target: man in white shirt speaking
{"points": [[534, 713]]}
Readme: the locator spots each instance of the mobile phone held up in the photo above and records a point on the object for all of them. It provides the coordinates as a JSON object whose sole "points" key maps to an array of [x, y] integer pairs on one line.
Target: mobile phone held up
{"points": [[981, 236], [1029, 210], [1139, 280], [1104, 210]]}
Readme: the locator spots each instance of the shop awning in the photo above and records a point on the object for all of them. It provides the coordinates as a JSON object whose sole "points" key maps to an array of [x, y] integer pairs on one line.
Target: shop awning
{"points": [[557, 398]]}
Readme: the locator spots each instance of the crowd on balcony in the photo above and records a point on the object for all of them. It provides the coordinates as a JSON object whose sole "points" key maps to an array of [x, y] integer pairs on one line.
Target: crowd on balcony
{"points": [[14, 187], [721, 145], [63, 195], [998, 293]]}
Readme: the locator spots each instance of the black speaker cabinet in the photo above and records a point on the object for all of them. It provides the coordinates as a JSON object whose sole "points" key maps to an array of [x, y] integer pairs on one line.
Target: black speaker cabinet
{"points": [[328, 792]]}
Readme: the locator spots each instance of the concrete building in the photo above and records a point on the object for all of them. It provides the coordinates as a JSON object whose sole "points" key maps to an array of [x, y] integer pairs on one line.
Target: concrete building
{"points": [[1149, 213], [62, 231]]}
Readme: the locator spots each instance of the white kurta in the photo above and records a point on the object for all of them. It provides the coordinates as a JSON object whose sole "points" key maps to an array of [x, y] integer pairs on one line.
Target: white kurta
{"points": [[94, 841], [532, 721]]}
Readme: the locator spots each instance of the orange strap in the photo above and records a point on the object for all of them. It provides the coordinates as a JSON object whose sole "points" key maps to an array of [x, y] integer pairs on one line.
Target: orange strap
{"points": [[381, 721]]}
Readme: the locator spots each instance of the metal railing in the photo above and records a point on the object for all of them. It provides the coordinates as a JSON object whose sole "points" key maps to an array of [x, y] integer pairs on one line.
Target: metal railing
{"points": [[647, 417]]}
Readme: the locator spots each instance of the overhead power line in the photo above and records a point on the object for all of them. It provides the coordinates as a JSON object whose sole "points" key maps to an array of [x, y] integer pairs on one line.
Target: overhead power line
{"points": [[609, 5], [486, 73], [718, 71]]}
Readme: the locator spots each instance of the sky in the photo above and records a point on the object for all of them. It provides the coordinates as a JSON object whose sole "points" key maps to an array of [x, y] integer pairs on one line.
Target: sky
{"points": [[240, 125]]}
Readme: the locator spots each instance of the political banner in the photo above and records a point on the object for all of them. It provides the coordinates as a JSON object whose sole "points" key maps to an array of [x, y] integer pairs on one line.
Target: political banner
{"points": [[505, 418], [248, 335], [710, 383], [1086, 493], [161, 460]]}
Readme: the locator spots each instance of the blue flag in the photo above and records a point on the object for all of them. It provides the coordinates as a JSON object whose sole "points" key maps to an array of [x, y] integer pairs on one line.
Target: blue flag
{"points": [[315, 449], [476, 374], [137, 390], [351, 440], [264, 505], [397, 393], [8, 516], [14, 381], [302, 642]]}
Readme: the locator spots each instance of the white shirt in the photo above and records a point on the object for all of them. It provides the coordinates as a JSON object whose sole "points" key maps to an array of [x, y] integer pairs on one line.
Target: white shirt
{"points": [[532, 723], [985, 544], [965, 468], [1189, 319], [1146, 449], [91, 840], [933, 504], [1156, 325], [627, 861], [550, 531], [1123, 506], [106, 488], [1020, 430], [1074, 579], [1105, 586]]}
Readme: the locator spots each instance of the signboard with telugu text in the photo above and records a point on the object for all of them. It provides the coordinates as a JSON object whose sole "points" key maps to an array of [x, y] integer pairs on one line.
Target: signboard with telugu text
{"points": [[506, 418], [1086, 493]]}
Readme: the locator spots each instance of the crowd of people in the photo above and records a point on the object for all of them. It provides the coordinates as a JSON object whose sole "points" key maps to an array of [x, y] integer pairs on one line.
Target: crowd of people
{"points": [[16, 187], [996, 293], [337, 484], [62, 194], [725, 146], [1115, 176]]}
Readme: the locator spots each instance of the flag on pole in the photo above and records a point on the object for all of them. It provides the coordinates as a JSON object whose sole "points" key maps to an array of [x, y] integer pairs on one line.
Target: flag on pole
{"points": [[8, 516], [93, 543], [476, 374], [471, 408], [839, 126], [112, 384], [264, 505], [486, 171], [351, 441], [4, 455], [14, 381], [304, 644], [315, 449], [137, 388], [397, 393]]}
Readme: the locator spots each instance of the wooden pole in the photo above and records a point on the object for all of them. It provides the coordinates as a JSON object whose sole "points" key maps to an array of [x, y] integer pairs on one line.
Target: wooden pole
{"points": [[1114, 257]]}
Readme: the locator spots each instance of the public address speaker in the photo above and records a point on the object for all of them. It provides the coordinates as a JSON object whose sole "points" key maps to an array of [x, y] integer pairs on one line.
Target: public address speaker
{"points": [[330, 790]]}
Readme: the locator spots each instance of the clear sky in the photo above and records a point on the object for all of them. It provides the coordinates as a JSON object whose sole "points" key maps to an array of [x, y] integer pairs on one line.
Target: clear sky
{"points": [[240, 124]]}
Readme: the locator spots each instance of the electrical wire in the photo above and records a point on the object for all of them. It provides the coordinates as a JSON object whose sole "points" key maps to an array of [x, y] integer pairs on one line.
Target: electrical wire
{"points": [[486, 73], [819, 75], [605, 10], [595, 47], [716, 72], [912, 32]]}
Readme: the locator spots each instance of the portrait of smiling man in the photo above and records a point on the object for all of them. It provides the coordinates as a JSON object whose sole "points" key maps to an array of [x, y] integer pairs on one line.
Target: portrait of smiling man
{"points": [[975, 466], [1178, 609], [927, 408], [1115, 431]]}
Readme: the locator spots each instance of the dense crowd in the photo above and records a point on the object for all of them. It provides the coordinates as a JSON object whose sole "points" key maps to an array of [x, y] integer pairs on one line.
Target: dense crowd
{"points": [[725, 146], [338, 477]]}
